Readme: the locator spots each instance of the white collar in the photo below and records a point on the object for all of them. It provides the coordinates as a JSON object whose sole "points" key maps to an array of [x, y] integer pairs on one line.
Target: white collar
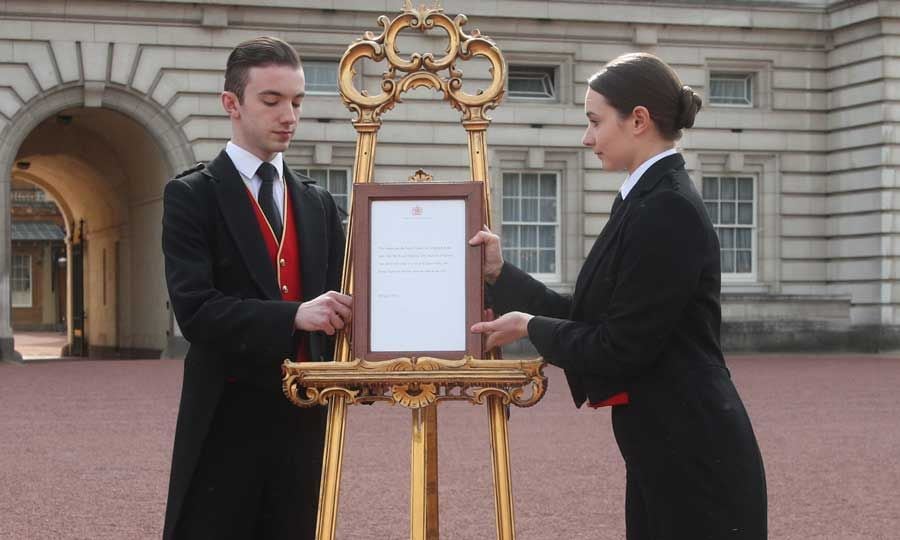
{"points": [[639, 172], [246, 163]]}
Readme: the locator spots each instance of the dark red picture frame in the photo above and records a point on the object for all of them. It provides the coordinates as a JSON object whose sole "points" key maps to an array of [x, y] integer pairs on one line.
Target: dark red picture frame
{"points": [[363, 196]]}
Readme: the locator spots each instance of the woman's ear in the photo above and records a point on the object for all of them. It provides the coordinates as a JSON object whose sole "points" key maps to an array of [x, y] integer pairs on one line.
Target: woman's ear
{"points": [[640, 120]]}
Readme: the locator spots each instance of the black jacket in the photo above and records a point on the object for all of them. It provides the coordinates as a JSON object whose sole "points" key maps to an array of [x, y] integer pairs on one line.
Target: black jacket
{"points": [[644, 318], [225, 294], [646, 299]]}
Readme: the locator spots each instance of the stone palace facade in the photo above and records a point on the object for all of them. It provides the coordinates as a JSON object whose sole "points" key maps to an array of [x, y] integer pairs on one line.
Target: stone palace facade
{"points": [[796, 151]]}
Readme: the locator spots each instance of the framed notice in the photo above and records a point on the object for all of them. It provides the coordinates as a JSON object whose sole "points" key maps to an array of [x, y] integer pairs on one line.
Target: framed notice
{"points": [[417, 281]]}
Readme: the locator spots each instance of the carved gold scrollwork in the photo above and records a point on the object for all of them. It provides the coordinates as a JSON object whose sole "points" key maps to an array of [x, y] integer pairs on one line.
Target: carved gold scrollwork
{"points": [[416, 382], [421, 69], [421, 176], [414, 396]]}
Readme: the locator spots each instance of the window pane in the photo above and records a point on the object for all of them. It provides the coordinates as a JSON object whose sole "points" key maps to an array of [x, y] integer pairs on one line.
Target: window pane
{"points": [[731, 88], [727, 91], [510, 209], [510, 184], [337, 186], [745, 213], [527, 85], [320, 176], [21, 274], [548, 210], [529, 236], [530, 220], [745, 189], [528, 261], [320, 76], [529, 184], [20, 281], [529, 209], [727, 189], [548, 185], [547, 236], [710, 188], [726, 236], [339, 175], [547, 262], [736, 206], [744, 238], [744, 262], [713, 210], [727, 261], [727, 213], [532, 82], [510, 236], [511, 256]]}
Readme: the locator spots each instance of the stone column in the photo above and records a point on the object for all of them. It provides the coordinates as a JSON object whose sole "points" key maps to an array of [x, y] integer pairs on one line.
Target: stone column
{"points": [[7, 352]]}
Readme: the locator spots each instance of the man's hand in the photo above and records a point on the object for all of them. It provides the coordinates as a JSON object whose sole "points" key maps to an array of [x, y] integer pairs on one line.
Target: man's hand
{"points": [[493, 255], [506, 329], [327, 313]]}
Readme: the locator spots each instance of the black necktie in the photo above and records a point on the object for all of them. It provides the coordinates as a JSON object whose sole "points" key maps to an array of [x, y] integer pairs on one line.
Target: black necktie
{"points": [[269, 174], [616, 204]]}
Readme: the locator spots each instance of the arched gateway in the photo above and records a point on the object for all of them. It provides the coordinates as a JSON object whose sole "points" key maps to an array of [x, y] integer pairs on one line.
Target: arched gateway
{"points": [[103, 153]]}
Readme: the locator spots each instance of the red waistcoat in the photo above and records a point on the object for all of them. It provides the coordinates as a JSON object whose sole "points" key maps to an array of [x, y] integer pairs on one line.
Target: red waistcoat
{"points": [[285, 258]]}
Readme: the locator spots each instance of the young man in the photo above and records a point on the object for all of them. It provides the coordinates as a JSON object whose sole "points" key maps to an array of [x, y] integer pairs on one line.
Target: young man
{"points": [[254, 255]]}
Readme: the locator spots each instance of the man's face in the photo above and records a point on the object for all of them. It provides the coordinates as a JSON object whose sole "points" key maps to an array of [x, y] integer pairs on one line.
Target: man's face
{"points": [[265, 122]]}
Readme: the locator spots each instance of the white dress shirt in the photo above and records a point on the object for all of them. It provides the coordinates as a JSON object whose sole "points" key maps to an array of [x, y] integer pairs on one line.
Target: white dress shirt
{"points": [[246, 164], [639, 172]]}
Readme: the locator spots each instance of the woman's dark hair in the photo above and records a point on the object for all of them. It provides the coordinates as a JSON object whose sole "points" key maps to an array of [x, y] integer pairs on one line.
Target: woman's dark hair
{"points": [[257, 52], [641, 79]]}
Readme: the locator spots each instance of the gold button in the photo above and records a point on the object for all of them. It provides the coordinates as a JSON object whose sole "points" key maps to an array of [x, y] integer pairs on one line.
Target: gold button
{"points": [[284, 289], [282, 262]]}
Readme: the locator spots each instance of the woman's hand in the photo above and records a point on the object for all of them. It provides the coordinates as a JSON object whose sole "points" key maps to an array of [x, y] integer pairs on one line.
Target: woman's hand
{"points": [[506, 329], [493, 255]]}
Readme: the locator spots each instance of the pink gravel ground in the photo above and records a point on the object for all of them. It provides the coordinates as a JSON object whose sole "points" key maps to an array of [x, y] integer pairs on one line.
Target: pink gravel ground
{"points": [[85, 449]]}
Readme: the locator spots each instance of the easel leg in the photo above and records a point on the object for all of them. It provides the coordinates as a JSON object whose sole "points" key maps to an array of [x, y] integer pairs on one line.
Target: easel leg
{"points": [[506, 526], [432, 525], [331, 469], [423, 493]]}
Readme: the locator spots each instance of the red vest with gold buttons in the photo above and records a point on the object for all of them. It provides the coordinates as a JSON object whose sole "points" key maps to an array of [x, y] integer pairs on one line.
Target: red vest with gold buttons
{"points": [[285, 258]]}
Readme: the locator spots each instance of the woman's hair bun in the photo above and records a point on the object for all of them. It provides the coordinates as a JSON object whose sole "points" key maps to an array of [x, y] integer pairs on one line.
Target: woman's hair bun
{"points": [[689, 105]]}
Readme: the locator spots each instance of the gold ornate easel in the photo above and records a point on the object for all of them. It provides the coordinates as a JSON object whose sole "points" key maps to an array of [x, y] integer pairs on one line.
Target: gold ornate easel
{"points": [[417, 383]]}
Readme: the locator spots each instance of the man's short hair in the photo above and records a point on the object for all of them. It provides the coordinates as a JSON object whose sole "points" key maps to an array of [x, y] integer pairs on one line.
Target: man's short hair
{"points": [[256, 52]]}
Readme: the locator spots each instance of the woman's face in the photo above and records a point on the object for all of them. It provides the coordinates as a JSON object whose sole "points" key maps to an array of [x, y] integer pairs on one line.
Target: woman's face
{"points": [[607, 134]]}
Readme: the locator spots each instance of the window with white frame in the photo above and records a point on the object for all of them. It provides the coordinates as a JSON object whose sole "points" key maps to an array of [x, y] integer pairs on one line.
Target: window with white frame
{"points": [[532, 82], [20, 281], [731, 204], [731, 88], [337, 182], [321, 76], [531, 222]]}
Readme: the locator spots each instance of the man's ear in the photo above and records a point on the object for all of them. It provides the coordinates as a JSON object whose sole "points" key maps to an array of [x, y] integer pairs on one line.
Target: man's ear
{"points": [[230, 103], [640, 120]]}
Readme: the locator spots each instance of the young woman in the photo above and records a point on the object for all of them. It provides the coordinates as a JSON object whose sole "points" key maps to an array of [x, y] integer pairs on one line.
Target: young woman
{"points": [[640, 333]]}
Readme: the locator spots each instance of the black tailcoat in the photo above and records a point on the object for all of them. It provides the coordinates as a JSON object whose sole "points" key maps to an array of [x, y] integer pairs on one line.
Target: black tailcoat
{"points": [[226, 299], [645, 318]]}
